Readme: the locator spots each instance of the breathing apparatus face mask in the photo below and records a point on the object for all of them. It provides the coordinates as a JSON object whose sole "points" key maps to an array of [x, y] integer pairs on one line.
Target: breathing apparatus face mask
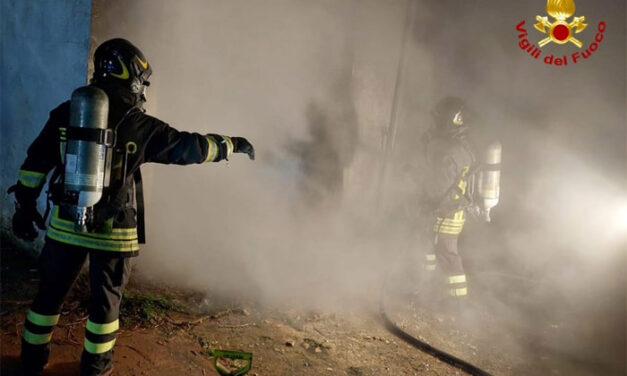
{"points": [[448, 116], [137, 89], [458, 120], [142, 93], [458, 128], [451, 124], [142, 85]]}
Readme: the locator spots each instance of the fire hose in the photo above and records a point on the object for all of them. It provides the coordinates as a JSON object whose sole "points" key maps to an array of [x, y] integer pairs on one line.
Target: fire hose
{"points": [[425, 347]]}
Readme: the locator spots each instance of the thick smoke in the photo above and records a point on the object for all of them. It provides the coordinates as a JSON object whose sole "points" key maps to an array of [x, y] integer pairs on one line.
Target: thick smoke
{"points": [[296, 79], [311, 84]]}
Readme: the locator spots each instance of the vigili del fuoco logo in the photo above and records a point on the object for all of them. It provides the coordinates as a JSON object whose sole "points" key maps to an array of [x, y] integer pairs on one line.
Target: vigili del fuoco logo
{"points": [[557, 29]]}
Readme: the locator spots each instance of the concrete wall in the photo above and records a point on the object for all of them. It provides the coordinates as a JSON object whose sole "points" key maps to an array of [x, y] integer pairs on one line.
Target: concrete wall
{"points": [[45, 45]]}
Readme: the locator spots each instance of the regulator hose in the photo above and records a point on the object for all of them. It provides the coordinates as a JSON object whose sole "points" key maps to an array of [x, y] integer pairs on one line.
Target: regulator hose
{"points": [[425, 347]]}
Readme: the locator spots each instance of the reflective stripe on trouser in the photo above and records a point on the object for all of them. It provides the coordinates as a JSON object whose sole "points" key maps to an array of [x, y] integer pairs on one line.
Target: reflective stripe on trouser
{"points": [[38, 328], [452, 225], [107, 279], [59, 265], [457, 285], [450, 263], [100, 338], [430, 262]]}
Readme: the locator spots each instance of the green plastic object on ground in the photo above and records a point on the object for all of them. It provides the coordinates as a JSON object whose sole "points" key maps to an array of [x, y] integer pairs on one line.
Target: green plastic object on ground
{"points": [[239, 362]]}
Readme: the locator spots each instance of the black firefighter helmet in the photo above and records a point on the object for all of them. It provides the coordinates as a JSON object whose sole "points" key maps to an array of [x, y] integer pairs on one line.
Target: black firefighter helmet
{"points": [[118, 61], [448, 116]]}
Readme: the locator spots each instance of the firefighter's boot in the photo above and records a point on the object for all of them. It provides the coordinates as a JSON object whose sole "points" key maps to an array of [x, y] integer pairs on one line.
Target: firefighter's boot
{"points": [[34, 358], [36, 337], [97, 364]]}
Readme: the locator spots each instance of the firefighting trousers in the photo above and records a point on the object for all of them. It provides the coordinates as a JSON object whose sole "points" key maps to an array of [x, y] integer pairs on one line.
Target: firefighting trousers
{"points": [[59, 266], [444, 259]]}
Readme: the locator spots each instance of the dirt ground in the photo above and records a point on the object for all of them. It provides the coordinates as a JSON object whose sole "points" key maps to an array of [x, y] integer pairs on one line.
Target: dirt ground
{"points": [[175, 341], [170, 332]]}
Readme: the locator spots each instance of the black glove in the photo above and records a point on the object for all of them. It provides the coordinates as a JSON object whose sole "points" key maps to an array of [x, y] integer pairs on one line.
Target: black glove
{"points": [[241, 145], [23, 220]]}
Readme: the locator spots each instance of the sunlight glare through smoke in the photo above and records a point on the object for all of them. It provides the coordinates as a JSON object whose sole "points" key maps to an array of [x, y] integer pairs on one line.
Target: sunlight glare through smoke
{"points": [[621, 217]]}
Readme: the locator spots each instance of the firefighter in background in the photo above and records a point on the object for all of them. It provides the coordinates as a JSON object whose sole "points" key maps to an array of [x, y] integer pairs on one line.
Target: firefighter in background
{"points": [[111, 234], [449, 161]]}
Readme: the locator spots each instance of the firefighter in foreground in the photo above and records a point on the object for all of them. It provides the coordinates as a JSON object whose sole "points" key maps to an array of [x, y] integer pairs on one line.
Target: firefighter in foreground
{"points": [[452, 176], [94, 146]]}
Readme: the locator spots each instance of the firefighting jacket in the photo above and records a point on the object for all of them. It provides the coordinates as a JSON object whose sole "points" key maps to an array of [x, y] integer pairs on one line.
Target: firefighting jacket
{"points": [[140, 138], [449, 160]]}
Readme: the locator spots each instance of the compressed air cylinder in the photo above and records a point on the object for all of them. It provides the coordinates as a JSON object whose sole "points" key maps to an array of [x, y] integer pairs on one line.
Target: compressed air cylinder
{"points": [[85, 158], [490, 179]]}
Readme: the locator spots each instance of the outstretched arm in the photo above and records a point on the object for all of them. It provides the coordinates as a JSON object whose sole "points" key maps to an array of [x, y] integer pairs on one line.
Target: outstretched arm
{"points": [[168, 145]]}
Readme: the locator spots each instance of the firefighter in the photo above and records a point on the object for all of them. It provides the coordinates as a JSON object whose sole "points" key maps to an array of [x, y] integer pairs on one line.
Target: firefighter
{"points": [[116, 226], [449, 160]]}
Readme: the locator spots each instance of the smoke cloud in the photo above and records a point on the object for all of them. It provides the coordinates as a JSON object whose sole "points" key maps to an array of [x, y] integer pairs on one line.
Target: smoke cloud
{"points": [[311, 85]]}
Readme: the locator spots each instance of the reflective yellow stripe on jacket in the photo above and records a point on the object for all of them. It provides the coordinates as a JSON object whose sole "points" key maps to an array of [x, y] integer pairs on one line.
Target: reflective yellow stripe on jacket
{"points": [[213, 149], [31, 179], [453, 225], [462, 183], [450, 225], [119, 240]]}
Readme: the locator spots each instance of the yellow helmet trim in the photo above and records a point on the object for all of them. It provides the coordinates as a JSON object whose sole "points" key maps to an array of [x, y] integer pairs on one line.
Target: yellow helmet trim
{"points": [[143, 63], [124, 75]]}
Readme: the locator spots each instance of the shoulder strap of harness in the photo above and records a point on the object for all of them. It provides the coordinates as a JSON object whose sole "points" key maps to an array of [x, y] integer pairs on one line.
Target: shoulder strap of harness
{"points": [[51, 194], [139, 197]]}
